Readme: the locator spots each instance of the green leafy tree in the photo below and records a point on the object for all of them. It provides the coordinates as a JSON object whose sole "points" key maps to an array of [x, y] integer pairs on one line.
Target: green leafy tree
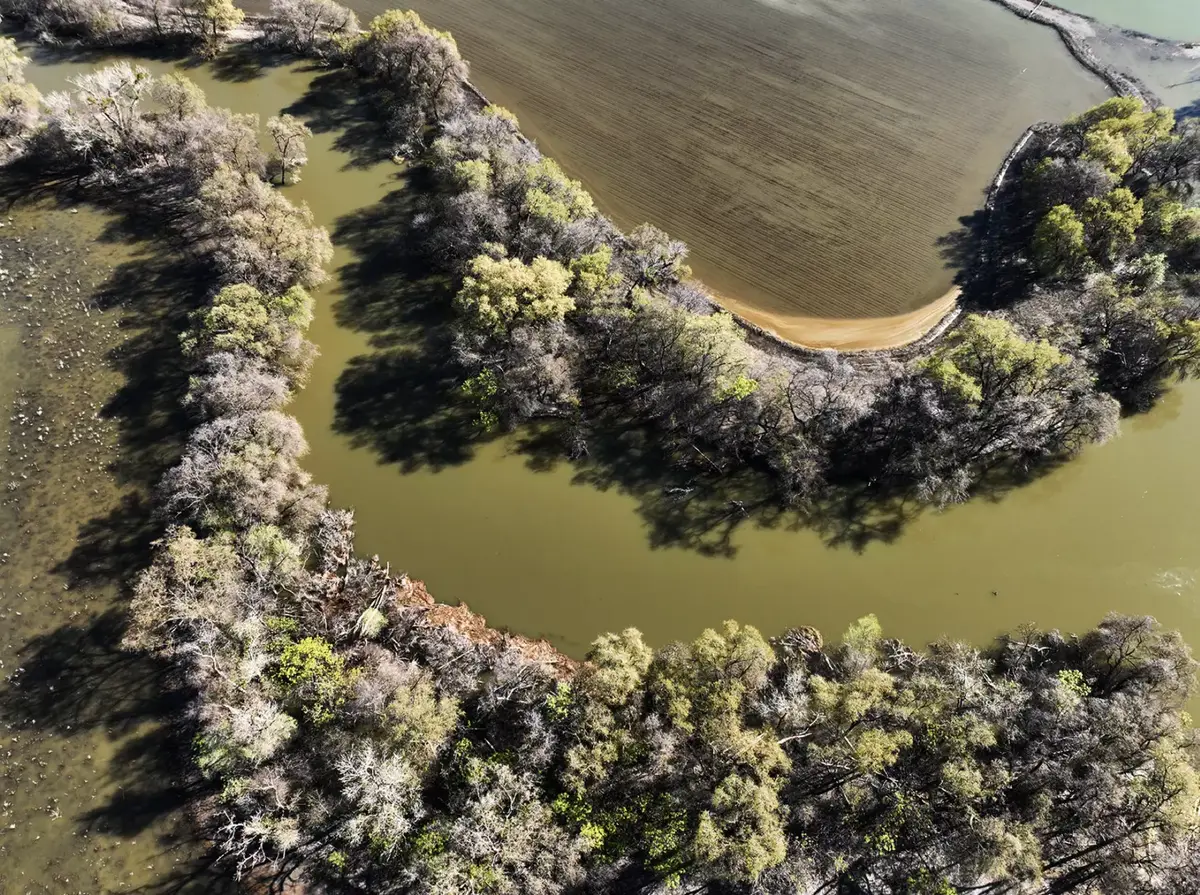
{"points": [[288, 134], [499, 294], [1112, 223], [211, 20], [986, 358], [1059, 245]]}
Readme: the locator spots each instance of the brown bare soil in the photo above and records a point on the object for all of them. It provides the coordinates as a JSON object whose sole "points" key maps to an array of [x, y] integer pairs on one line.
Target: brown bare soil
{"points": [[848, 333], [810, 153], [474, 627]]}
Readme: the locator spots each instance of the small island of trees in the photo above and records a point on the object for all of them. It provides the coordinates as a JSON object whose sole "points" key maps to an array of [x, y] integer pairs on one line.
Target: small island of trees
{"points": [[357, 738]]}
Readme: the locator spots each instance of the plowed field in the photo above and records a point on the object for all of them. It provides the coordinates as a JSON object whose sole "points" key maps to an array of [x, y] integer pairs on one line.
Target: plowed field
{"points": [[810, 152]]}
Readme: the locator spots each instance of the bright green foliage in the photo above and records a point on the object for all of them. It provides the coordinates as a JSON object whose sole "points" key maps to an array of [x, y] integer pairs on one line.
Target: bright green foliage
{"points": [[702, 690], [481, 389], [396, 23], [213, 18], [617, 665], [420, 722], [12, 63], [274, 557], [986, 357], [1120, 130], [473, 174], [241, 318], [616, 671], [552, 195], [1059, 246], [502, 113], [1072, 680], [864, 636], [1108, 149], [700, 687], [312, 673], [178, 96], [18, 100], [1112, 222], [708, 348], [558, 703], [926, 882], [737, 389], [189, 584], [498, 295], [594, 276], [742, 831]]}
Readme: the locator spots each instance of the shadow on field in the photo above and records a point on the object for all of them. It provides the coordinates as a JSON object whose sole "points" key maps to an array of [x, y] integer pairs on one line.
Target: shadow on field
{"points": [[987, 253]]}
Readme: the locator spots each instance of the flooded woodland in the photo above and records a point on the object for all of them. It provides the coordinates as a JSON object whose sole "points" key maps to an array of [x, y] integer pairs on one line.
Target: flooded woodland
{"points": [[812, 155]]}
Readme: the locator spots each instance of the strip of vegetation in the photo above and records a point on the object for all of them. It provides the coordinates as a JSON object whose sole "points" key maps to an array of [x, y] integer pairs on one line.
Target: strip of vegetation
{"points": [[360, 747]]}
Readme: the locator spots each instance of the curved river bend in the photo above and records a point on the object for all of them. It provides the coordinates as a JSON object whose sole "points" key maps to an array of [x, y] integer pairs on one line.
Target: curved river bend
{"points": [[538, 552]]}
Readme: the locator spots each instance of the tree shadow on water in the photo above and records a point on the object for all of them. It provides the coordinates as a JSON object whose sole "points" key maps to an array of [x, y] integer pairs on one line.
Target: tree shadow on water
{"points": [[76, 681], [336, 102], [241, 62], [75, 678], [402, 400]]}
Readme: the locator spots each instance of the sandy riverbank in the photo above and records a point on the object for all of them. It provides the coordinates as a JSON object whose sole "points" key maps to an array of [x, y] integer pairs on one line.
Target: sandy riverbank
{"points": [[848, 334]]}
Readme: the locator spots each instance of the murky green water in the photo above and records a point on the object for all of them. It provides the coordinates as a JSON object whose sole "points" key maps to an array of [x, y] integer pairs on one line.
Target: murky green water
{"points": [[1173, 19], [90, 795]]}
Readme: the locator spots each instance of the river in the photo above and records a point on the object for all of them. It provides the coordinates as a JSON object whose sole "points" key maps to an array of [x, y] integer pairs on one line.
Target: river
{"points": [[89, 799], [1173, 19]]}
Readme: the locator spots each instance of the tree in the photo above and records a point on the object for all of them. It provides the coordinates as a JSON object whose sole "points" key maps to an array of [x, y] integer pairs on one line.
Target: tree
{"points": [[500, 294], [985, 358], [1059, 246], [88, 19], [1138, 340], [18, 100], [288, 133], [1111, 223], [261, 238], [310, 26], [102, 117], [210, 20], [178, 96], [242, 319], [241, 471], [231, 383], [419, 65], [1054, 181]]}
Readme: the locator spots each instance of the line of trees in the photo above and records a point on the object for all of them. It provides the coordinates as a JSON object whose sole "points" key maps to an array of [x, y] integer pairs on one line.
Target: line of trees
{"points": [[356, 742]]}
